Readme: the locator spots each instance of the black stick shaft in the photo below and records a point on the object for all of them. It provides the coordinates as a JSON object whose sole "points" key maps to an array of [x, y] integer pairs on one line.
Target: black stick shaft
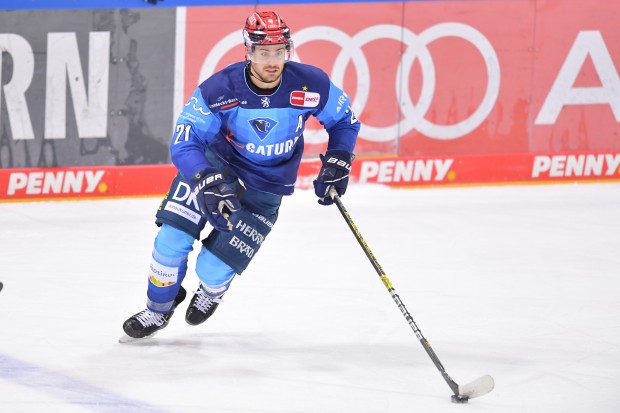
{"points": [[388, 285]]}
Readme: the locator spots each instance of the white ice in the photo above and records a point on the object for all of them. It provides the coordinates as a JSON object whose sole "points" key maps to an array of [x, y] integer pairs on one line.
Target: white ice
{"points": [[519, 282]]}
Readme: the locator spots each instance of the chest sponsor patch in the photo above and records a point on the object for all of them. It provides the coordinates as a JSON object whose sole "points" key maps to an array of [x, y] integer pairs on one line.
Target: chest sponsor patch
{"points": [[305, 99]]}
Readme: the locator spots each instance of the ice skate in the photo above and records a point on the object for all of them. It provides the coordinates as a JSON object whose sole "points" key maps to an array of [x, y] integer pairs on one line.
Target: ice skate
{"points": [[202, 306], [146, 323]]}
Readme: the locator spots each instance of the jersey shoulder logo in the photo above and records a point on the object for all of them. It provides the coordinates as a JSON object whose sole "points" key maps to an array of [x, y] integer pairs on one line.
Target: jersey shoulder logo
{"points": [[262, 127], [305, 99], [194, 104]]}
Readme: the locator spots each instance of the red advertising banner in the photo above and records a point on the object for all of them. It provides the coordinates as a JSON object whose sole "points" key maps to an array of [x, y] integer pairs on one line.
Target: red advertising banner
{"points": [[450, 77], [69, 183], [575, 93], [448, 92], [478, 169], [468, 91], [85, 182]]}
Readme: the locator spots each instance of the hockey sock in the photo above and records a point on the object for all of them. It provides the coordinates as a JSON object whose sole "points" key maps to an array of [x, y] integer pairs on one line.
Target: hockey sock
{"points": [[168, 267], [214, 274]]}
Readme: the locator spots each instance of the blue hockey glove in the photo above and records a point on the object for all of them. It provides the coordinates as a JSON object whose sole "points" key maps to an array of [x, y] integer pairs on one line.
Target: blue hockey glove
{"points": [[216, 199], [334, 173]]}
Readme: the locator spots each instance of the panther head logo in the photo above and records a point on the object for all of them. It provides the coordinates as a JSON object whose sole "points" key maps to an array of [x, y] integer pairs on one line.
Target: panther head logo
{"points": [[261, 125]]}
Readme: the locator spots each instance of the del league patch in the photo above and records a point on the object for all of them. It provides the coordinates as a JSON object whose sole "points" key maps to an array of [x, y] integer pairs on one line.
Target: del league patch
{"points": [[305, 99]]}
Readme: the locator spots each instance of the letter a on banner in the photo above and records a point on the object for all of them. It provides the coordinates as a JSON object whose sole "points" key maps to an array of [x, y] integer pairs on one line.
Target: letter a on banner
{"points": [[588, 43]]}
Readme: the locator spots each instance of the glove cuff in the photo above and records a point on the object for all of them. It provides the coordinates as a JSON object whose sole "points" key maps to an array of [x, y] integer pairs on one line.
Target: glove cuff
{"points": [[338, 159], [199, 176], [341, 154]]}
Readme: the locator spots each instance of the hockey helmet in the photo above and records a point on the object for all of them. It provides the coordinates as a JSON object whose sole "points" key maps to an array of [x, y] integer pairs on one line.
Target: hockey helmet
{"points": [[265, 29]]}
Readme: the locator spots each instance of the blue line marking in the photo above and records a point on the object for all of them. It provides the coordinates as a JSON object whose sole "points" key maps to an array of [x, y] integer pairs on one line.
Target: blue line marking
{"points": [[73, 391]]}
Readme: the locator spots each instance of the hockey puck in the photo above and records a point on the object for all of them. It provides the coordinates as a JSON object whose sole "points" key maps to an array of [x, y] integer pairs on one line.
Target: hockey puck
{"points": [[459, 399], [1, 285]]}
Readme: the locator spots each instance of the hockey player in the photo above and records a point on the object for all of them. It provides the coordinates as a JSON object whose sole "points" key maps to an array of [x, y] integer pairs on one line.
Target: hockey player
{"points": [[237, 146]]}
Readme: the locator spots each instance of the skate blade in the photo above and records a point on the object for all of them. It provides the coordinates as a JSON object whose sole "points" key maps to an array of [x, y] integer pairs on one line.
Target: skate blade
{"points": [[125, 339]]}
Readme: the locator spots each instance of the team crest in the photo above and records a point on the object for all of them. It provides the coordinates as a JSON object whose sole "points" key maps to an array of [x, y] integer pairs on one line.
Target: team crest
{"points": [[262, 127]]}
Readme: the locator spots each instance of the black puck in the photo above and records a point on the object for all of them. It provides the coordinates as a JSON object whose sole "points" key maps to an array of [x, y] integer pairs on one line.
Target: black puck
{"points": [[459, 399]]}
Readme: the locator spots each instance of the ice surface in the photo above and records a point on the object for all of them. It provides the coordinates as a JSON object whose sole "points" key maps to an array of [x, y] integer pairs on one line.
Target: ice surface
{"points": [[520, 282]]}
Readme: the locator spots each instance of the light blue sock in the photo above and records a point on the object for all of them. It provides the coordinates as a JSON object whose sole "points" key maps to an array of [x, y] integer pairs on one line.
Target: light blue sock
{"points": [[168, 267], [214, 273]]}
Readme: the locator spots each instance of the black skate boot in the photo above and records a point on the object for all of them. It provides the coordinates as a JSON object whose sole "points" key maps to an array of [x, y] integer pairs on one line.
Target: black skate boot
{"points": [[146, 322], [202, 306]]}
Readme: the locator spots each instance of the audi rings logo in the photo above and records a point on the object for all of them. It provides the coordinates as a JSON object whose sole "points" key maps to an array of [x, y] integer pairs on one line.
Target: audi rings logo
{"points": [[416, 48]]}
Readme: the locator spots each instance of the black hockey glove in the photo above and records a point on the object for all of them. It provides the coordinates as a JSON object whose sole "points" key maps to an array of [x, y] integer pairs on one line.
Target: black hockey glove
{"points": [[334, 173], [216, 199]]}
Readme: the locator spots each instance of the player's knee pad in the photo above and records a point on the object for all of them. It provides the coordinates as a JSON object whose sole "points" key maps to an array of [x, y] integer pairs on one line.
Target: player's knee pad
{"points": [[168, 266], [237, 247]]}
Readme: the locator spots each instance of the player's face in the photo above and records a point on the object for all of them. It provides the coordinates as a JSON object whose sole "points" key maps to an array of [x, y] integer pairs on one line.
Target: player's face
{"points": [[267, 64]]}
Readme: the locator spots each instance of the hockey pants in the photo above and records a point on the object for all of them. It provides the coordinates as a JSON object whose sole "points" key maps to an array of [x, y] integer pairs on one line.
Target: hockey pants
{"points": [[222, 254]]}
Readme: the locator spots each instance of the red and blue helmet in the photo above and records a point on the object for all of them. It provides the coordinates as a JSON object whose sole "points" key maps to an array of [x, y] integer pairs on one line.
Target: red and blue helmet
{"points": [[265, 29]]}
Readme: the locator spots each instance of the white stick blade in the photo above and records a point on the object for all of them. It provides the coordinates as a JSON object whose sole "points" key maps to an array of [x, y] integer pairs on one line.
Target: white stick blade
{"points": [[477, 388]]}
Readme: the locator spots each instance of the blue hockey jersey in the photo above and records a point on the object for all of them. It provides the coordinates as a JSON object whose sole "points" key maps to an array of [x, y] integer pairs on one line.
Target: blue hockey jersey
{"points": [[260, 137]]}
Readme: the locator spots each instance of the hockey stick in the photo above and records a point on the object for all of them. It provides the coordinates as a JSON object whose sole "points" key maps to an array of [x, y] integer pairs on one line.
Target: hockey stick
{"points": [[462, 393]]}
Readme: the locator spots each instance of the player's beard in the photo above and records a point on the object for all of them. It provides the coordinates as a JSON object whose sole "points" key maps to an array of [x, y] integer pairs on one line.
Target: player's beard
{"points": [[268, 74]]}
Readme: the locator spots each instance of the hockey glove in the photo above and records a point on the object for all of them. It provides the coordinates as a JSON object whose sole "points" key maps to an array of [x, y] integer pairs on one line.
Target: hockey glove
{"points": [[334, 173], [216, 199]]}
